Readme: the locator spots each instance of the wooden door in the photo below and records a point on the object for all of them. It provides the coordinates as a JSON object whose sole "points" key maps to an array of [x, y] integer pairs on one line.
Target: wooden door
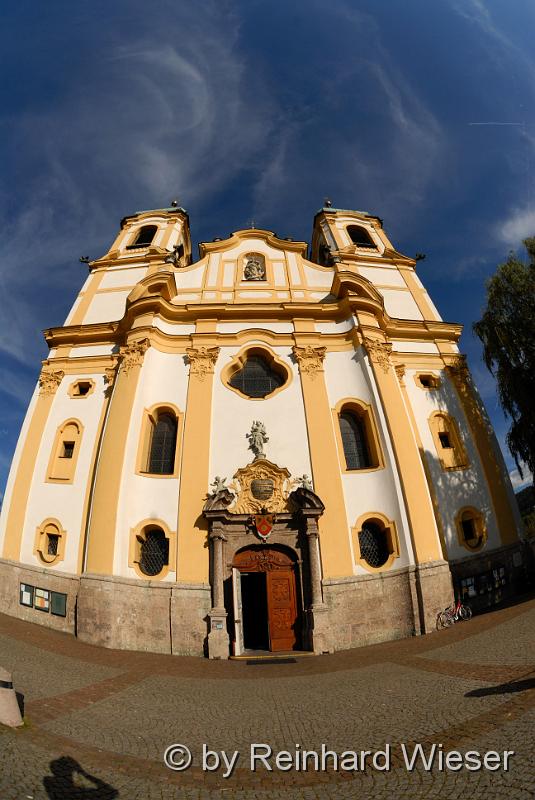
{"points": [[282, 609]]}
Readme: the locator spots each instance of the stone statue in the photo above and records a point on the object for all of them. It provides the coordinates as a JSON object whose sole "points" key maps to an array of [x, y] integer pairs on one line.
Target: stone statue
{"points": [[305, 482], [218, 484], [257, 438], [175, 256], [255, 268]]}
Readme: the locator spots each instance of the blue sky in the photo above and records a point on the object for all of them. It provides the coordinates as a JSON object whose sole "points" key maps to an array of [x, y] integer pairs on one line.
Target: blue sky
{"points": [[257, 110]]}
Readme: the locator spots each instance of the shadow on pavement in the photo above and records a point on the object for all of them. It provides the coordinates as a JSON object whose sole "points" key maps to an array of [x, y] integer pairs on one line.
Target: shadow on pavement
{"points": [[504, 688], [69, 781]]}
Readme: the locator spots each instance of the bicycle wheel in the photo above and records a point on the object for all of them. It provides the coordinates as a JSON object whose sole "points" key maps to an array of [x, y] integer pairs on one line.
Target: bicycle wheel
{"points": [[465, 612], [444, 620]]}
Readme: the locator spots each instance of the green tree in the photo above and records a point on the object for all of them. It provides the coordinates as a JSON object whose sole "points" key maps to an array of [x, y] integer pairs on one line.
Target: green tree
{"points": [[507, 330]]}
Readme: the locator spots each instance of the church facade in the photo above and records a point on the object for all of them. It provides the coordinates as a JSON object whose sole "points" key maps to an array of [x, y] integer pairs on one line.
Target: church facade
{"points": [[265, 449]]}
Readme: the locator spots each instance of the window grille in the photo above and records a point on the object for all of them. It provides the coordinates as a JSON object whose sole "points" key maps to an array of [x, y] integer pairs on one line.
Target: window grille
{"points": [[354, 441], [154, 555], [256, 378], [373, 545], [163, 446], [52, 546]]}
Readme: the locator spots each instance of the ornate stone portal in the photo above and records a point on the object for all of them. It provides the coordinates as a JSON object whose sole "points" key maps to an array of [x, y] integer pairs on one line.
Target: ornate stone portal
{"points": [[263, 486]]}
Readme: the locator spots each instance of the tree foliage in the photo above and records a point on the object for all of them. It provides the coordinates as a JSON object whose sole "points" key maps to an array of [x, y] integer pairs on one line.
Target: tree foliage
{"points": [[507, 330]]}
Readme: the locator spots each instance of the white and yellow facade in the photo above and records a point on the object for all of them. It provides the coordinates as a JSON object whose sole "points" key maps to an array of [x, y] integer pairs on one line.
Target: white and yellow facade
{"points": [[349, 330]]}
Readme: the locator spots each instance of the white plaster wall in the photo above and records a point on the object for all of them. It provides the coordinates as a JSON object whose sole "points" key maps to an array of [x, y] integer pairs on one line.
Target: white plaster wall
{"points": [[228, 273], [63, 501], [317, 276], [213, 268], [382, 277], [294, 269], [335, 327], [163, 379], [401, 304], [106, 307], [122, 277], [454, 488], [92, 350], [233, 416], [191, 277], [15, 465], [348, 375], [414, 347]]}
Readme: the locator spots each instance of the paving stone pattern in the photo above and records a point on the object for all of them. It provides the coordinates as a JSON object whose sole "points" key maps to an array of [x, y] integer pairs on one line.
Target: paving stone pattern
{"points": [[98, 721]]}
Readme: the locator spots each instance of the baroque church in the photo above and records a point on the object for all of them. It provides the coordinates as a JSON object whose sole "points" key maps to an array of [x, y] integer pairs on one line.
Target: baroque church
{"points": [[269, 448]]}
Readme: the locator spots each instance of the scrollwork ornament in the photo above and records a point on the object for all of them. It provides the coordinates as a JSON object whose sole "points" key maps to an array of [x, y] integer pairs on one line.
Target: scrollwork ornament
{"points": [[379, 353], [49, 380], [310, 359], [202, 360]]}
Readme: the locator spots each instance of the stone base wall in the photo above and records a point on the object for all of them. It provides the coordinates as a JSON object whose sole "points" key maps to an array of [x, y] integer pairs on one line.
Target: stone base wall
{"points": [[492, 589], [115, 612], [12, 574], [367, 609]]}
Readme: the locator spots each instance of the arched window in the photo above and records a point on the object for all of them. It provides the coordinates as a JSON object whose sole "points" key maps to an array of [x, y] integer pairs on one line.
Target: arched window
{"points": [[360, 236], [354, 441], [373, 543], [64, 455], [50, 541], [153, 552], [145, 236], [448, 442], [161, 459], [256, 378]]}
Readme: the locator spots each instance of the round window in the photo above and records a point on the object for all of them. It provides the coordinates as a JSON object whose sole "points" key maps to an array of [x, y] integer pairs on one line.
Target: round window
{"points": [[373, 545]]}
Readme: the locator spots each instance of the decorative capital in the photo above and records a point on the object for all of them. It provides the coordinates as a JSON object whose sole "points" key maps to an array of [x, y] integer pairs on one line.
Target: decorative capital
{"points": [[202, 360], [49, 380], [109, 375], [132, 354], [310, 359], [379, 352], [458, 370], [400, 372]]}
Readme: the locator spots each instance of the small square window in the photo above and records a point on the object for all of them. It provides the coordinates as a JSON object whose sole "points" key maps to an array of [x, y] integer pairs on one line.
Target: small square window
{"points": [[67, 450], [82, 388]]}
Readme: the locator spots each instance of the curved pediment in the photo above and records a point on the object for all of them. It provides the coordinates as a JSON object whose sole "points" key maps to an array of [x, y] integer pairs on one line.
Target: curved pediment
{"points": [[237, 237]]}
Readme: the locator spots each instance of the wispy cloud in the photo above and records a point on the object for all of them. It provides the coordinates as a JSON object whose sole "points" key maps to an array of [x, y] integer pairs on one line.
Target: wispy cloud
{"points": [[519, 225], [519, 482]]}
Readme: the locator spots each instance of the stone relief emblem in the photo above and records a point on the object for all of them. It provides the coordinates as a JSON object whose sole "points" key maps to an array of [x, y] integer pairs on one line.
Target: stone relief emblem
{"points": [[261, 485], [49, 380], [255, 267], [257, 439]]}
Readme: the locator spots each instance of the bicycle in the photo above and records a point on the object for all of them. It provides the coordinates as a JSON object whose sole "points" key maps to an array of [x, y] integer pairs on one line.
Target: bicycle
{"points": [[457, 611]]}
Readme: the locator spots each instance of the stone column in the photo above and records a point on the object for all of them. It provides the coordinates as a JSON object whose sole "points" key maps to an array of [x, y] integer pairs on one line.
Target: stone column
{"points": [[432, 571], [37, 416], [500, 491], [105, 503], [192, 565], [318, 616], [218, 639]]}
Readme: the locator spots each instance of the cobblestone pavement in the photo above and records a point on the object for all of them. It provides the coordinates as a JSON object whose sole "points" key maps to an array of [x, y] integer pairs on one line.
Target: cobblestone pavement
{"points": [[98, 721]]}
